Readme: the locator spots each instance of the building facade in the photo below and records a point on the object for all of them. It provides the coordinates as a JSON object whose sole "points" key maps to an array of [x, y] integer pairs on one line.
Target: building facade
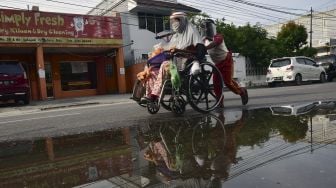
{"points": [[323, 28], [64, 55]]}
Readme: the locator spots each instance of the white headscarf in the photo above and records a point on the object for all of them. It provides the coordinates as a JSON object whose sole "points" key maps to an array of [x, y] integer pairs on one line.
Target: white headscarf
{"points": [[187, 35]]}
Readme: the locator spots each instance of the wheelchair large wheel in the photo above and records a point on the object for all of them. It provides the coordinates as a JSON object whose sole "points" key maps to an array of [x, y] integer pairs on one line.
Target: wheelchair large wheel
{"points": [[200, 91], [208, 137]]}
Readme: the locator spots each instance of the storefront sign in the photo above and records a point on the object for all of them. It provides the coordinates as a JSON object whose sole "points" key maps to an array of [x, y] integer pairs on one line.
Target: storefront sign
{"points": [[41, 73], [44, 27], [122, 71]]}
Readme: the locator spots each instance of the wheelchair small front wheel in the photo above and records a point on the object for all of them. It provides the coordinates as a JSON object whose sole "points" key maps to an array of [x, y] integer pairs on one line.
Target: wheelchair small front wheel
{"points": [[153, 107], [178, 105]]}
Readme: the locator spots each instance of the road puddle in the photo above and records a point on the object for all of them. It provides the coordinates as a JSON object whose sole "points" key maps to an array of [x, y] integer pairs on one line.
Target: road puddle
{"points": [[279, 146]]}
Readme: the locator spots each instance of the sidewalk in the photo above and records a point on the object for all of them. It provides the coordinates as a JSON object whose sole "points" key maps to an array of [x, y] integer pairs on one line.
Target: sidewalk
{"points": [[12, 109]]}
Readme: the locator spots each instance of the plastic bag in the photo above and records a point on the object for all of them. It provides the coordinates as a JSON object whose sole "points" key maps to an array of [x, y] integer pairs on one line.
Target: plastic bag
{"points": [[174, 76], [195, 69]]}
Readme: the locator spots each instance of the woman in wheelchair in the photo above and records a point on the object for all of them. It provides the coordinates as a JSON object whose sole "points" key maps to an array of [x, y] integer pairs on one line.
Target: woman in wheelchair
{"points": [[186, 37], [194, 81]]}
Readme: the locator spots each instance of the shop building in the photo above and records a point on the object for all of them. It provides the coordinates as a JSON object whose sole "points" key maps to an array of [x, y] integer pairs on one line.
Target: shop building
{"points": [[64, 55]]}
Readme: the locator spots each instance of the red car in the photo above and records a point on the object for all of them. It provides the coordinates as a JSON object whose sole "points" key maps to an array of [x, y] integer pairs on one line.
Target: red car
{"points": [[14, 84]]}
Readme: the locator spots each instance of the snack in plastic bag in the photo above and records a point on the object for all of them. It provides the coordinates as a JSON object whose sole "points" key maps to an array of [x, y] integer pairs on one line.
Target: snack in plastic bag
{"points": [[145, 74], [157, 49]]}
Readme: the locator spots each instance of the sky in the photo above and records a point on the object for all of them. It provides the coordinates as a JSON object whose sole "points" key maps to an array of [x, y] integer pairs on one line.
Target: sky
{"points": [[228, 10]]}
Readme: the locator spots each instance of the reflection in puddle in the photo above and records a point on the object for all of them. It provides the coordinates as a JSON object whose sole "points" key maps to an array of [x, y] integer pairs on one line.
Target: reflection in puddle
{"points": [[269, 147]]}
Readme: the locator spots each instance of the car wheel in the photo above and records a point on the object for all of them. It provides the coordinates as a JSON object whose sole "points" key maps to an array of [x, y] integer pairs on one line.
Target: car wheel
{"points": [[333, 79], [19, 101], [298, 79], [322, 78], [26, 101], [22, 100], [271, 84]]}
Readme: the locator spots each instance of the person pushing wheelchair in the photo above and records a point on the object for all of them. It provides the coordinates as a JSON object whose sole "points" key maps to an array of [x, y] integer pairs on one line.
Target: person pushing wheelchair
{"points": [[222, 58]]}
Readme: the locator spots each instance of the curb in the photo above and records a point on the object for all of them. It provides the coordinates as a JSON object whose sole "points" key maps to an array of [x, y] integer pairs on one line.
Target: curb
{"points": [[68, 106]]}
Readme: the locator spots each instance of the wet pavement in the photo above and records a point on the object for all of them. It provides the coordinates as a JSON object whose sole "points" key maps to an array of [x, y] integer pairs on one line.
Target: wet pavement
{"points": [[279, 146]]}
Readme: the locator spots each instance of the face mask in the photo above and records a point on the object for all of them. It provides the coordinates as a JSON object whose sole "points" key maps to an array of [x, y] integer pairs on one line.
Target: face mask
{"points": [[175, 26]]}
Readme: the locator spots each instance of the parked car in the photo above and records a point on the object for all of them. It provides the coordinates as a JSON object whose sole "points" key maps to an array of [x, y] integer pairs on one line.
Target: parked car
{"points": [[328, 62], [13, 82], [294, 69]]}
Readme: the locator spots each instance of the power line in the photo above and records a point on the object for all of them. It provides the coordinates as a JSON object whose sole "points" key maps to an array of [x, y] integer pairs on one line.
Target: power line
{"points": [[320, 7], [216, 9], [47, 5], [129, 15], [278, 7], [264, 7], [213, 9], [73, 4], [245, 11]]}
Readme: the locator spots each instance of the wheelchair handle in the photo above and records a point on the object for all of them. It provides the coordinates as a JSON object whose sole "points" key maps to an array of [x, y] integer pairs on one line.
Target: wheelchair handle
{"points": [[179, 52], [165, 35]]}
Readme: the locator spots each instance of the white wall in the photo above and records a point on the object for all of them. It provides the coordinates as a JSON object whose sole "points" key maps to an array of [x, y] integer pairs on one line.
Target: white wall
{"points": [[239, 70], [144, 40]]}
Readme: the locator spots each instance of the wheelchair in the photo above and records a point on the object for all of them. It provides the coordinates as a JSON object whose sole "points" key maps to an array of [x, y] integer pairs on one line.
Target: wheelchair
{"points": [[197, 90]]}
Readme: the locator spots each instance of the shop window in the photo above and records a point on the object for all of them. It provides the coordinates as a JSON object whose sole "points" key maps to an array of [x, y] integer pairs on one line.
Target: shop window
{"points": [[142, 21], [166, 23], [159, 24], [144, 56], [153, 23], [78, 75]]}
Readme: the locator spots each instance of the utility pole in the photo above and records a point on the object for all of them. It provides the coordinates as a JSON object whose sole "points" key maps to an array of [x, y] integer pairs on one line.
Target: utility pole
{"points": [[311, 26]]}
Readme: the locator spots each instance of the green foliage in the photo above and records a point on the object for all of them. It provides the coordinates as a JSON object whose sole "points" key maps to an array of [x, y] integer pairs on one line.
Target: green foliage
{"points": [[251, 41], [292, 36], [196, 18], [261, 125], [307, 51]]}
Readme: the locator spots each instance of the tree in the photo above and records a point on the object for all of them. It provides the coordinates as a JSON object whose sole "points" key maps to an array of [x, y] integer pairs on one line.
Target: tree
{"points": [[307, 51], [196, 18], [292, 37], [229, 31], [250, 41]]}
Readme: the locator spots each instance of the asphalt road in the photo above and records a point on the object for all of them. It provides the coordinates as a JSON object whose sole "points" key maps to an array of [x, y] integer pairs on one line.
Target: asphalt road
{"points": [[98, 117]]}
